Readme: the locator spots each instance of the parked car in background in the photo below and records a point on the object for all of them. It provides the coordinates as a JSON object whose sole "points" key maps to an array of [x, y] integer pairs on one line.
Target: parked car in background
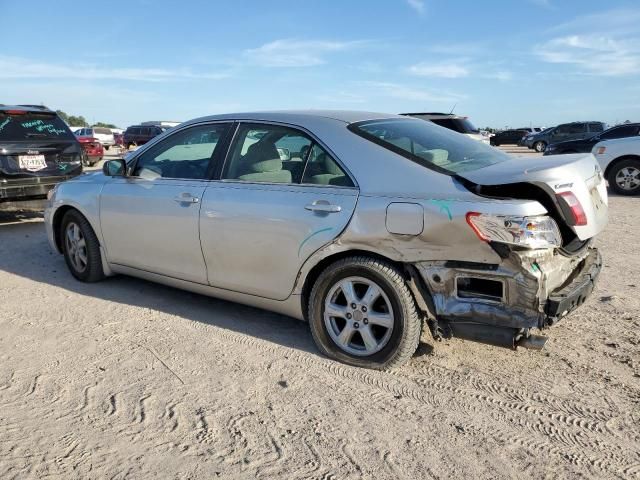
{"points": [[529, 129], [453, 122], [371, 226], [507, 137], [586, 145], [620, 161], [137, 135], [37, 151], [565, 131], [93, 150], [119, 139], [104, 135]]}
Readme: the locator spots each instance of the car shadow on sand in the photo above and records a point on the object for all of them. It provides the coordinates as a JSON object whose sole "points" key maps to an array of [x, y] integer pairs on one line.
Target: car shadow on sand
{"points": [[25, 252]]}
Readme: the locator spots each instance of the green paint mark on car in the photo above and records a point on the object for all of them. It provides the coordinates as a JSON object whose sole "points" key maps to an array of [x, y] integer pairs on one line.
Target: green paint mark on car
{"points": [[443, 206], [317, 232]]}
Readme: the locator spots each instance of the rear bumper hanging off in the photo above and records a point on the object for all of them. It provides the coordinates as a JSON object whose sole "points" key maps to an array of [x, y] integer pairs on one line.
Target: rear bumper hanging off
{"points": [[573, 294]]}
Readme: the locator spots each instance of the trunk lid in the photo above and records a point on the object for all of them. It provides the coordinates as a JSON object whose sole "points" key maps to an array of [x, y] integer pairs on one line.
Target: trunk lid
{"points": [[579, 174]]}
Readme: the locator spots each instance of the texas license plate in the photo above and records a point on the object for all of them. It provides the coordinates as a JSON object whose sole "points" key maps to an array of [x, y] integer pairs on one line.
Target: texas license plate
{"points": [[33, 163]]}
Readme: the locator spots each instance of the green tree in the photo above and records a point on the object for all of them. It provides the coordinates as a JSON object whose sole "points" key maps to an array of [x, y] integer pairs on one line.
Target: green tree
{"points": [[77, 121]]}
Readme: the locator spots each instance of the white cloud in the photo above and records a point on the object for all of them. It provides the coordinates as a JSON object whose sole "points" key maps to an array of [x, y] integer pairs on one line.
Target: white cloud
{"points": [[501, 75], [417, 5], [596, 54], [295, 53], [405, 92], [16, 67], [603, 44], [444, 70]]}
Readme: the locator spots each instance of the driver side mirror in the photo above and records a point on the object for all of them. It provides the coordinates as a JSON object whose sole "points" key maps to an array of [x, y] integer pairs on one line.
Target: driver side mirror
{"points": [[115, 168]]}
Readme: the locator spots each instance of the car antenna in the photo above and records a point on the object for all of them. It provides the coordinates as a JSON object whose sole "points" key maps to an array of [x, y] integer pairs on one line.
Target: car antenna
{"points": [[453, 108]]}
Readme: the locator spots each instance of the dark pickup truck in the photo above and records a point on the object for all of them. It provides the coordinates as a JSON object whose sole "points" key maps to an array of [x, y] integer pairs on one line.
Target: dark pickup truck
{"points": [[37, 151]]}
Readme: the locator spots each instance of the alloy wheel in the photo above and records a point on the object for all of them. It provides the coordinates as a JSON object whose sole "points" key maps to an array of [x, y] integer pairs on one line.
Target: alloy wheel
{"points": [[76, 246], [358, 316], [628, 178]]}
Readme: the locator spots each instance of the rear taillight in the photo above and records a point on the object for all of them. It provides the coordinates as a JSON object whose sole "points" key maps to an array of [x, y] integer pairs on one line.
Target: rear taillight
{"points": [[579, 217]]}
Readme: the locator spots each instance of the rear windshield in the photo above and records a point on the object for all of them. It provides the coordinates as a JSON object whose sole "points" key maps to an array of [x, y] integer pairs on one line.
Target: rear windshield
{"points": [[102, 131], [460, 125], [32, 126], [430, 146]]}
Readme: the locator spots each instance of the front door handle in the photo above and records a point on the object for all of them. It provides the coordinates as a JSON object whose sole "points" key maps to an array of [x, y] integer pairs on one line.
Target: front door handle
{"points": [[186, 198], [323, 206]]}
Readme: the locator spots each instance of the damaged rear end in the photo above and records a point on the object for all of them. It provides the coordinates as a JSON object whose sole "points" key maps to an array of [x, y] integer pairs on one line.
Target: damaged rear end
{"points": [[548, 266]]}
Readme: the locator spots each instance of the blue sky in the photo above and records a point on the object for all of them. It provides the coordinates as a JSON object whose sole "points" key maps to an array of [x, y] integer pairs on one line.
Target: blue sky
{"points": [[503, 62]]}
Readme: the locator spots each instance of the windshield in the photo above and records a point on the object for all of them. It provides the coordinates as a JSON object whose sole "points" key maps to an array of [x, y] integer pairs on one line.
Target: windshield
{"points": [[430, 146], [32, 126]]}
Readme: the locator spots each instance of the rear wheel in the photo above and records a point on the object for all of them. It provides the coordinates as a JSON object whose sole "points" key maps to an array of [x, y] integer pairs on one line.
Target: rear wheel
{"points": [[81, 248], [540, 146], [362, 313], [624, 177]]}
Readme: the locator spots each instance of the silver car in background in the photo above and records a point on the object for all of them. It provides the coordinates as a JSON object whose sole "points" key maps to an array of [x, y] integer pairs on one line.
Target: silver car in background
{"points": [[370, 226]]}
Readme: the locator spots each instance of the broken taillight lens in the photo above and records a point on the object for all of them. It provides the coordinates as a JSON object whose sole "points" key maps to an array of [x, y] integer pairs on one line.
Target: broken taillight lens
{"points": [[575, 207], [539, 231]]}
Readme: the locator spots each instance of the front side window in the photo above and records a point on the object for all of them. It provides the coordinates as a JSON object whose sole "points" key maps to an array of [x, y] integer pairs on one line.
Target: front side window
{"points": [[267, 153], [432, 147], [186, 154], [595, 127]]}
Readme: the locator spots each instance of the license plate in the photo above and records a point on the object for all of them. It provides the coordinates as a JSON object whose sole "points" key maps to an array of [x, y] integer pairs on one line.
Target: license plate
{"points": [[33, 163]]}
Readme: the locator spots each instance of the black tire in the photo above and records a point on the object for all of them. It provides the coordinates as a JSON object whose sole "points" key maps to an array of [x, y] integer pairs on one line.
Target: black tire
{"points": [[540, 146], [407, 323], [93, 269], [632, 164]]}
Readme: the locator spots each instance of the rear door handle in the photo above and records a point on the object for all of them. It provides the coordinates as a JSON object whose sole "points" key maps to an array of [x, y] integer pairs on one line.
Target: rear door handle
{"points": [[323, 206], [186, 198]]}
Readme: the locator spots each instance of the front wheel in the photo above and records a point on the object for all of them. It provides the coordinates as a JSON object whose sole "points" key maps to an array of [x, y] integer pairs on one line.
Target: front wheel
{"points": [[540, 146], [624, 177], [81, 248], [362, 313]]}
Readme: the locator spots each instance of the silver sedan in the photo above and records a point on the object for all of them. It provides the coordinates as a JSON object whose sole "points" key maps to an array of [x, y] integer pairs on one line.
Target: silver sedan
{"points": [[369, 226]]}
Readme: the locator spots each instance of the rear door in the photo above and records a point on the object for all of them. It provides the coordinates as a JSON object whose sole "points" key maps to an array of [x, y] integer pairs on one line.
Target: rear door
{"points": [[282, 196], [150, 219]]}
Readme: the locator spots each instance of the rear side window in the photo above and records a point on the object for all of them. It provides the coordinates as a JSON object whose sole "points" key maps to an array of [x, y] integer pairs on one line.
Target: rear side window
{"points": [[322, 169], [268, 154], [595, 127], [32, 126], [441, 150], [620, 132]]}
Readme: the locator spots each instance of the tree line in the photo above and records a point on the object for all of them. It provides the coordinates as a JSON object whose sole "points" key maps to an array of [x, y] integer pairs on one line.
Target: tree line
{"points": [[80, 121]]}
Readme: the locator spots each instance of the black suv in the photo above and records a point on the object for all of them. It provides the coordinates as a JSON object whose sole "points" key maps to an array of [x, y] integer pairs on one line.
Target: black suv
{"points": [[37, 151], [565, 131], [508, 137], [587, 144], [141, 134]]}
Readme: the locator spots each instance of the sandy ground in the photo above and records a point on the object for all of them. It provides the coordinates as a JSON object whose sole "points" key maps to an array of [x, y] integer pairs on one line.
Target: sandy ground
{"points": [[128, 379]]}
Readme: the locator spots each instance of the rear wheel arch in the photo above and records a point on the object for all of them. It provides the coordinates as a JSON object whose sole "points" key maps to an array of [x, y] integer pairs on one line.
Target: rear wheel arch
{"points": [[325, 262]]}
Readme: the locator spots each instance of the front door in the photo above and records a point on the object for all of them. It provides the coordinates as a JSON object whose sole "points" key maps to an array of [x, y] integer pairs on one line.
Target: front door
{"points": [[150, 219], [281, 198]]}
